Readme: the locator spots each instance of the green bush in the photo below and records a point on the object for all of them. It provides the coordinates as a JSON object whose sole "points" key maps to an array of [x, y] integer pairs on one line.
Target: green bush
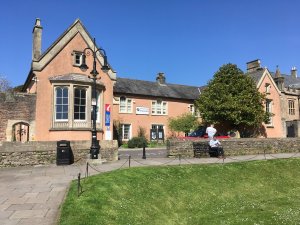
{"points": [[137, 142]]}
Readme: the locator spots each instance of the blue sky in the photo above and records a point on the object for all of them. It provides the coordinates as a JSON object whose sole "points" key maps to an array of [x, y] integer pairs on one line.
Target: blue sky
{"points": [[188, 40]]}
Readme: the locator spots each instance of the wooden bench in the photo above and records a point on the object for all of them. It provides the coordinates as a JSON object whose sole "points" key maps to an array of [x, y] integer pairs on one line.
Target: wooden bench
{"points": [[202, 149]]}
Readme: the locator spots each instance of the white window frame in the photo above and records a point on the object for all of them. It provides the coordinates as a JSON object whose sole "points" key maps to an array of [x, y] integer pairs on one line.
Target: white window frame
{"points": [[159, 107], [291, 107], [269, 108], [193, 110], [77, 57], [268, 87], [125, 105], [55, 103], [79, 105], [129, 131]]}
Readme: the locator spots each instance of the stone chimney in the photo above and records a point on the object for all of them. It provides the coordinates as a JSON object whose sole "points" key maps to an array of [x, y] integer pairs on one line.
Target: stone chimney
{"points": [[277, 72], [253, 65], [294, 72], [161, 79], [37, 40], [279, 80]]}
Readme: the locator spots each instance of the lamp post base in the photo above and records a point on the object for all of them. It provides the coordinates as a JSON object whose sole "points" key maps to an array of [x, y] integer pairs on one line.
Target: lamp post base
{"points": [[95, 149]]}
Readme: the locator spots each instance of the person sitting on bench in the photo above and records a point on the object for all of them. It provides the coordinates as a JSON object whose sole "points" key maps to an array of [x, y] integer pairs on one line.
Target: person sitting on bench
{"points": [[216, 146]]}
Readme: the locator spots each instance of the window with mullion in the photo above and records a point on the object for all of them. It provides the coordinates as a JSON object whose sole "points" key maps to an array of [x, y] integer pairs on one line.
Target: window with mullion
{"points": [[80, 104], [269, 110], [159, 108], [291, 107], [126, 130], [125, 105], [61, 103]]}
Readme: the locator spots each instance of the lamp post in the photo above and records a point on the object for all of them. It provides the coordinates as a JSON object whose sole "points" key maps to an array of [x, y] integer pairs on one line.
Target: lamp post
{"points": [[95, 147]]}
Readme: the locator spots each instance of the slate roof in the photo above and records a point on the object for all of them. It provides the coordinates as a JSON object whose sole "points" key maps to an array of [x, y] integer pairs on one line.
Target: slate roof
{"points": [[289, 81], [148, 88], [256, 75]]}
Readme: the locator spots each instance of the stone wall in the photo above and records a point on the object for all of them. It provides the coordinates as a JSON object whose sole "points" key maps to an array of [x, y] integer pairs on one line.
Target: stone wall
{"points": [[238, 146], [44, 152], [16, 107]]}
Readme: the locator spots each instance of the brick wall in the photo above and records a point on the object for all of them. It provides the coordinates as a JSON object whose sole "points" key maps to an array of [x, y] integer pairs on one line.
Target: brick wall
{"points": [[15, 107], [239, 146], [44, 152]]}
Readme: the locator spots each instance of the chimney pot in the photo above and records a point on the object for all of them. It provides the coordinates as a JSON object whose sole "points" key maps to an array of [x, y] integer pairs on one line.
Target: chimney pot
{"points": [[37, 40], [253, 65], [294, 72], [161, 79]]}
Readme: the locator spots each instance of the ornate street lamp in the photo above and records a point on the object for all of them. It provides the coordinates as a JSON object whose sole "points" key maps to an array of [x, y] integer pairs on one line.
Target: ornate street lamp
{"points": [[95, 147]]}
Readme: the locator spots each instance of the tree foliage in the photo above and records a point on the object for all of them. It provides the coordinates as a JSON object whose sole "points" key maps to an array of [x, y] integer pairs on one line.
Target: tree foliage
{"points": [[184, 123], [232, 99], [4, 84]]}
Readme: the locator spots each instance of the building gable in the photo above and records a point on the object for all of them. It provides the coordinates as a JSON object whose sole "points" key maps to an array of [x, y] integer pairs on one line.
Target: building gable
{"points": [[76, 28], [267, 76]]}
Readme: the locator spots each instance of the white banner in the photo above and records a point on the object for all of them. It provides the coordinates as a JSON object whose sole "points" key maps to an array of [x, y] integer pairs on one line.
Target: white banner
{"points": [[142, 111]]}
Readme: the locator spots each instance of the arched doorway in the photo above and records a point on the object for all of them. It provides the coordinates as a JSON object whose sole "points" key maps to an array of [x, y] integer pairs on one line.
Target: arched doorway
{"points": [[20, 132]]}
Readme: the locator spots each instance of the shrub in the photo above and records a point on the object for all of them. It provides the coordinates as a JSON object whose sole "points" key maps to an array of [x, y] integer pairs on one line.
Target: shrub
{"points": [[137, 142], [141, 132]]}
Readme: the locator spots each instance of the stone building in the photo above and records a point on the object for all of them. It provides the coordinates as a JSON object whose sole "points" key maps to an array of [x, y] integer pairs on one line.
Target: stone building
{"points": [[282, 93]]}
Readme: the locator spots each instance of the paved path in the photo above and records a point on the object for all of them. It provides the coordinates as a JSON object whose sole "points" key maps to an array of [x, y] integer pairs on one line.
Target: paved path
{"points": [[33, 195]]}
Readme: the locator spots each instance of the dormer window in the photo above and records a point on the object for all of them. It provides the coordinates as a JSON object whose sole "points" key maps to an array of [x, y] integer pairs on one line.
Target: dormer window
{"points": [[77, 58]]}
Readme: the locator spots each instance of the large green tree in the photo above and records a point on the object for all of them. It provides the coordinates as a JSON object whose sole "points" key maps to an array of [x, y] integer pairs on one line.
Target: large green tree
{"points": [[232, 100]]}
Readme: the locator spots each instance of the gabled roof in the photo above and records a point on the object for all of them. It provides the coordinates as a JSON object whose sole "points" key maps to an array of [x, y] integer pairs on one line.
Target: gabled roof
{"points": [[289, 81], [154, 89], [59, 44], [256, 75]]}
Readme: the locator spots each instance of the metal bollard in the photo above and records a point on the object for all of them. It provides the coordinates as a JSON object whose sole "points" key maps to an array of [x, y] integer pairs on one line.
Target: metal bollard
{"points": [[79, 189], [129, 161], [144, 151], [87, 169]]}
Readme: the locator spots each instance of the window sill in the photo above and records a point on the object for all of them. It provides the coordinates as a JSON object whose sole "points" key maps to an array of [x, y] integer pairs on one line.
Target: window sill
{"points": [[269, 126], [73, 129]]}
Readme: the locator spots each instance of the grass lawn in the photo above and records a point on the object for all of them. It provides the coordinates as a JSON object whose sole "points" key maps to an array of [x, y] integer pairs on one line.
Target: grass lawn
{"points": [[256, 193]]}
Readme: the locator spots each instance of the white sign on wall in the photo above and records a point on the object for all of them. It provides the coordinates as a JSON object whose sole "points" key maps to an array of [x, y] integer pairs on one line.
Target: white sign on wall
{"points": [[142, 111]]}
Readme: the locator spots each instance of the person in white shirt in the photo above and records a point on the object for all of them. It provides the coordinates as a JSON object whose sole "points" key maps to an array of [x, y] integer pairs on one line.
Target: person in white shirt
{"points": [[216, 146], [211, 131]]}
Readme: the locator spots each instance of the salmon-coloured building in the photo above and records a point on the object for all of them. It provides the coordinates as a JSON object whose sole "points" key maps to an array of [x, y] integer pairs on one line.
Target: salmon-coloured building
{"points": [[144, 105], [63, 94], [125, 107], [63, 90], [282, 99]]}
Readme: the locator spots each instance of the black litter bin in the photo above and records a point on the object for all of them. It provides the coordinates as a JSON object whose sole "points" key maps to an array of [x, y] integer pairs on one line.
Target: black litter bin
{"points": [[63, 153]]}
